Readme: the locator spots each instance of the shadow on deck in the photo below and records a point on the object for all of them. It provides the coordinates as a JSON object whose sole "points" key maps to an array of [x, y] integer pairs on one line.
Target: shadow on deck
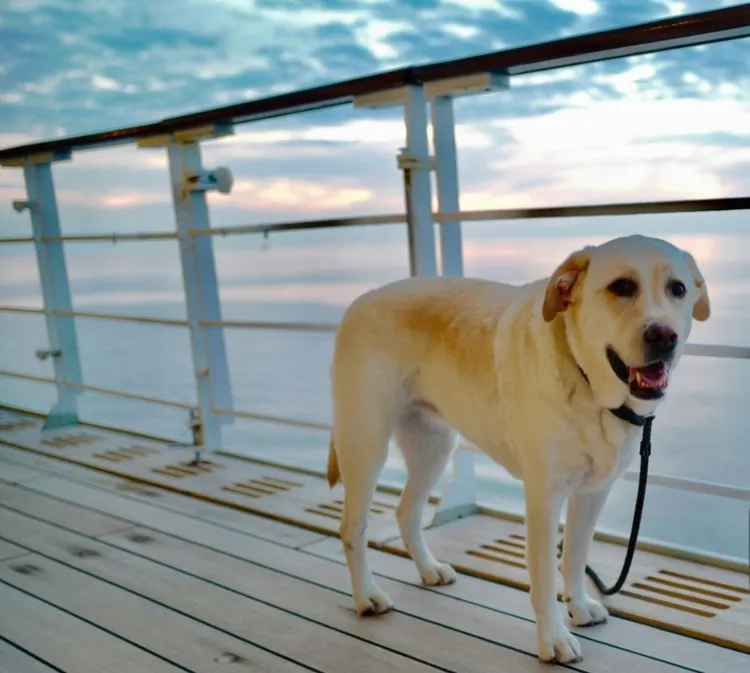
{"points": [[145, 563]]}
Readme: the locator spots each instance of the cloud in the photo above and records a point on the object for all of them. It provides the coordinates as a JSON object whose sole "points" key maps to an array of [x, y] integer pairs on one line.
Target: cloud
{"points": [[657, 126]]}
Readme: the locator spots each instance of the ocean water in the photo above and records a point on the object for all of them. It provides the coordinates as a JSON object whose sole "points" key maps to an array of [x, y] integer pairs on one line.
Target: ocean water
{"points": [[701, 431]]}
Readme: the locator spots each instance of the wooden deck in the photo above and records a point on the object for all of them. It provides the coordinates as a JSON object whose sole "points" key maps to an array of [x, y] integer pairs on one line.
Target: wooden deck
{"points": [[104, 573]]}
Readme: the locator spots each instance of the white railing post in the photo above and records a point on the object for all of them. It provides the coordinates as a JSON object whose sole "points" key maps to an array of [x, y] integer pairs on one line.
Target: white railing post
{"points": [[446, 169], [459, 495], [415, 162], [189, 182], [53, 275]]}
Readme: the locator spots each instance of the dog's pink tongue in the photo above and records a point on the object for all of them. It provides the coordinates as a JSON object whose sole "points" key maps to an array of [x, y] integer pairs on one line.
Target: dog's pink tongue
{"points": [[653, 376]]}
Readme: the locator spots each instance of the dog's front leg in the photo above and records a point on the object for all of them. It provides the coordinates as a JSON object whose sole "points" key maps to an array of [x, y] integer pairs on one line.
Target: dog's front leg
{"points": [[543, 505], [580, 521]]}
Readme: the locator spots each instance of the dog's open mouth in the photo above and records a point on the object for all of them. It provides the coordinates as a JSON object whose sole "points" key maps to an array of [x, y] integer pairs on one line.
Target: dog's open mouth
{"points": [[647, 382], [654, 376]]}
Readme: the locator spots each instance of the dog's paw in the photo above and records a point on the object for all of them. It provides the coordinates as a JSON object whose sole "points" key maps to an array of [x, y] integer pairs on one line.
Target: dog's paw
{"points": [[373, 602], [559, 646], [587, 612], [438, 575]]}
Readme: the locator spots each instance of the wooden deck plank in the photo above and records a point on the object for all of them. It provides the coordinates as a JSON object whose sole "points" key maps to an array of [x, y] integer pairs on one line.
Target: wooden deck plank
{"points": [[325, 584], [722, 622], [222, 479], [181, 639], [17, 474], [8, 550], [317, 645], [292, 536], [13, 660], [66, 642], [87, 522], [650, 641]]}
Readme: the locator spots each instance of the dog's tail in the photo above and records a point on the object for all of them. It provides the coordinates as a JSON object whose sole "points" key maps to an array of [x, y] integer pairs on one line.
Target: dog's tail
{"points": [[333, 473]]}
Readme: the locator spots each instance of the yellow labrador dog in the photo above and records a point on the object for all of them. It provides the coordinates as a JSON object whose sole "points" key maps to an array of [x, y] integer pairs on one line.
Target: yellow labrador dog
{"points": [[529, 374]]}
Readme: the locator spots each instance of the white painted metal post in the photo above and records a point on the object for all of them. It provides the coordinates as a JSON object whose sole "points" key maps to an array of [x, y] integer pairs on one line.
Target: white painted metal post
{"points": [[459, 495], [53, 275], [446, 168], [416, 164], [189, 183]]}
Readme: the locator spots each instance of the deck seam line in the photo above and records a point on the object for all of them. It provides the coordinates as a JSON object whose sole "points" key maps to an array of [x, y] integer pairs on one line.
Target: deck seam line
{"points": [[187, 615], [127, 496], [302, 550], [31, 654], [97, 626], [219, 586], [660, 626], [343, 593]]}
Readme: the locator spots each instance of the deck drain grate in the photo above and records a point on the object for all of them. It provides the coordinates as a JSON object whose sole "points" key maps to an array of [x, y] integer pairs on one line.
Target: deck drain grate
{"points": [[11, 424], [687, 593], [509, 550], [264, 486], [335, 510], [63, 441], [183, 470], [125, 453]]}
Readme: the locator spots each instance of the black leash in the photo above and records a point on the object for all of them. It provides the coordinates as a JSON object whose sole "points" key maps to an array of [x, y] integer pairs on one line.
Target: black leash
{"points": [[640, 498], [625, 413]]}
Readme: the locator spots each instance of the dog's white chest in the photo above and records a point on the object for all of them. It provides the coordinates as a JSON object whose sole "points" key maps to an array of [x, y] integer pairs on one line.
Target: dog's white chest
{"points": [[607, 450]]}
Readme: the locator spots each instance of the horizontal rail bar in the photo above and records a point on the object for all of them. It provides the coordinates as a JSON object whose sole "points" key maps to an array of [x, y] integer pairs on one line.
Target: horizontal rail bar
{"points": [[129, 396], [301, 224], [112, 238], [603, 210], [281, 420], [718, 351], [290, 326], [123, 318], [671, 33], [16, 239], [21, 309], [599, 210], [27, 377], [693, 486]]}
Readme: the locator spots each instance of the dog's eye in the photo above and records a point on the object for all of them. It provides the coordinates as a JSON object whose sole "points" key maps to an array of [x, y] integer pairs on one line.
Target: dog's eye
{"points": [[623, 287], [677, 288]]}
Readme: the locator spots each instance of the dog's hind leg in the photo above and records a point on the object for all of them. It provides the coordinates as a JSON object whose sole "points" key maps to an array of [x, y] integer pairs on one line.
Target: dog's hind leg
{"points": [[426, 443], [361, 444]]}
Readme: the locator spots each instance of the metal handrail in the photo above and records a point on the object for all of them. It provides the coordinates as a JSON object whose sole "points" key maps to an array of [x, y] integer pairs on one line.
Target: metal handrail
{"points": [[281, 420], [674, 32], [329, 223], [694, 486], [677, 483], [27, 377], [128, 396], [113, 237], [261, 324], [21, 309], [694, 349], [594, 210], [170, 322]]}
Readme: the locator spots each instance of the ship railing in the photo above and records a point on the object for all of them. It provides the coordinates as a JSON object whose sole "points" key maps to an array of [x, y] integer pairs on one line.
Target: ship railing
{"points": [[425, 94]]}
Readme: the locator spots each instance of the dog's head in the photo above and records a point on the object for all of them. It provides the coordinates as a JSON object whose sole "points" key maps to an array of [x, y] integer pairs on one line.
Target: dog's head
{"points": [[628, 307]]}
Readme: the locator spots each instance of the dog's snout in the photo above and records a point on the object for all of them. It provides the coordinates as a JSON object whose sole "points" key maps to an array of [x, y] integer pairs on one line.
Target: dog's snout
{"points": [[660, 340]]}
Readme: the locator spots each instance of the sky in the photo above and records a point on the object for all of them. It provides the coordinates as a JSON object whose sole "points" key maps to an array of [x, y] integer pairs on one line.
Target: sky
{"points": [[670, 125]]}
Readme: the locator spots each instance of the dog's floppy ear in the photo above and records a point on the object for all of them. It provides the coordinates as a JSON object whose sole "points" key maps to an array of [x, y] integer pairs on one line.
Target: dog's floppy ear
{"points": [[558, 295], [702, 307]]}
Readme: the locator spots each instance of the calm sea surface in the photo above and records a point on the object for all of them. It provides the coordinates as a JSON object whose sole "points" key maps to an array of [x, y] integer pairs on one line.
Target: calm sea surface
{"points": [[700, 433]]}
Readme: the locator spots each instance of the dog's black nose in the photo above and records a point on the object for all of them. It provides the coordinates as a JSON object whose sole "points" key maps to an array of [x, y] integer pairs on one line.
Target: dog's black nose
{"points": [[660, 340]]}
